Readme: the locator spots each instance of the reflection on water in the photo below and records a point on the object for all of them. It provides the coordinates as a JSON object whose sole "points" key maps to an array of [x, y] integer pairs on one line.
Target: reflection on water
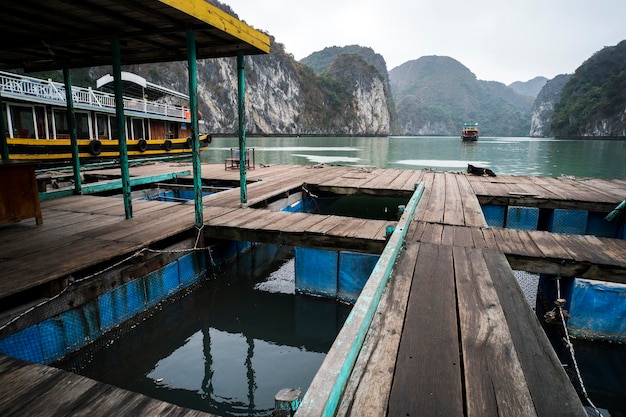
{"points": [[225, 348], [516, 156]]}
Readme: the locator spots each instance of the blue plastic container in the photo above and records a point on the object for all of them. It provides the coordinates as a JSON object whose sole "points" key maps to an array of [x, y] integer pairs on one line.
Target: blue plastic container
{"points": [[597, 310]]}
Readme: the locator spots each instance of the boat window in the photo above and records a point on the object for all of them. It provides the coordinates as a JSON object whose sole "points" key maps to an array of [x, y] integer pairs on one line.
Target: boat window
{"points": [[61, 128], [113, 126], [171, 130], [22, 121], [40, 117], [82, 125], [102, 125], [138, 130]]}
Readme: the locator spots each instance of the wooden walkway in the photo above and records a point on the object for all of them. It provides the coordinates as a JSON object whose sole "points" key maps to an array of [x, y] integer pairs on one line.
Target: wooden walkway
{"points": [[454, 335], [33, 390]]}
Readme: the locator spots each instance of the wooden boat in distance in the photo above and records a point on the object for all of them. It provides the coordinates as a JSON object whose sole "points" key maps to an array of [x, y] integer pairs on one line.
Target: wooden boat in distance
{"points": [[37, 128], [469, 133]]}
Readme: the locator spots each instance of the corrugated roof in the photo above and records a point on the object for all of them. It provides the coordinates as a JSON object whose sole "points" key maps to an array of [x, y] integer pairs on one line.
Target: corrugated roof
{"points": [[53, 34]]}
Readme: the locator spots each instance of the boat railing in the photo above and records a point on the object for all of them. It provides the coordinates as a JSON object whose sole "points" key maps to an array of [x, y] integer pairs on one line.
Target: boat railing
{"points": [[33, 89]]}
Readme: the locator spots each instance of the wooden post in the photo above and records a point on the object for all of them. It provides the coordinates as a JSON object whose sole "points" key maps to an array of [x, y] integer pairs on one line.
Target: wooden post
{"points": [[243, 190], [121, 128], [193, 108], [286, 402], [4, 147], [71, 123]]}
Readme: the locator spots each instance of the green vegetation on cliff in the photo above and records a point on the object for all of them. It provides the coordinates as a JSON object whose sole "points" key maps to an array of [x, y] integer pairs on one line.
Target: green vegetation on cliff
{"points": [[596, 93]]}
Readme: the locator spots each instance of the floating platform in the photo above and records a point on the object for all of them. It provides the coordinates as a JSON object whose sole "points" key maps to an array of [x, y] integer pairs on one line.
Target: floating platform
{"points": [[453, 334]]}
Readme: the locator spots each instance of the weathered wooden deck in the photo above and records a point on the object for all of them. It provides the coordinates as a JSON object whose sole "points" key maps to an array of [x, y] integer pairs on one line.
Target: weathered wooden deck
{"points": [[35, 390], [453, 336]]}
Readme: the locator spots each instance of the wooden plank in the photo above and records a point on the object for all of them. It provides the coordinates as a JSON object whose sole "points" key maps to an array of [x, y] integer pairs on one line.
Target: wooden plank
{"points": [[422, 206], [472, 210], [605, 251], [368, 229], [501, 238], [37, 390], [414, 179], [169, 225], [494, 380], [432, 233], [416, 231], [551, 390], [529, 245], [463, 236], [326, 224], [551, 187], [63, 261], [382, 180], [478, 185], [590, 191], [399, 182], [478, 238], [453, 211], [427, 379], [547, 245], [22, 246], [489, 237], [287, 220], [447, 237], [435, 206], [514, 242], [305, 223], [367, 392], [561, 242]]}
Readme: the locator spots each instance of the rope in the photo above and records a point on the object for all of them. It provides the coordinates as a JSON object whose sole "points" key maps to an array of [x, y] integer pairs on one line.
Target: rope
{"points": [[560, 302]]}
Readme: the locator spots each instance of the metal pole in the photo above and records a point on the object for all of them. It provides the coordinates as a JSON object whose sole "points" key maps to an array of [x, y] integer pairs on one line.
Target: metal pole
{"points": [[4, 146], [193, 108], [71, 123], [243, 190], [121, 130]]}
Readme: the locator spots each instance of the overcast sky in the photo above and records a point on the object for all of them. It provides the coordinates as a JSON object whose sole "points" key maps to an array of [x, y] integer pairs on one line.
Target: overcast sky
{"points": [[500, 40]]}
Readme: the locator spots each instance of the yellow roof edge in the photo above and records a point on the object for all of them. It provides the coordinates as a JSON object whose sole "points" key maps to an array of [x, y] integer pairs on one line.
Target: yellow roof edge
{"points": [[212, 15]]}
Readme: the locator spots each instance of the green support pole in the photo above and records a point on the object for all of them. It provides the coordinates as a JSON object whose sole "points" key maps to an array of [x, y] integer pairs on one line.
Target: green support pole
{"points": [[121, 130], [4, 146], [193, 108], [241, 84], [71, 124]]}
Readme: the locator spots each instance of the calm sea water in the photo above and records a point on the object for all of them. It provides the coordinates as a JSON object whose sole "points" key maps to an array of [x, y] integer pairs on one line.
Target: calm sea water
{"points": [[517, 156], [228, 346], [231, 345]]}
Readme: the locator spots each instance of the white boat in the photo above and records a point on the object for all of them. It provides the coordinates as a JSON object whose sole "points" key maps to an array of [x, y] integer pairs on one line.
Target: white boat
{"points": [[37, 128]]}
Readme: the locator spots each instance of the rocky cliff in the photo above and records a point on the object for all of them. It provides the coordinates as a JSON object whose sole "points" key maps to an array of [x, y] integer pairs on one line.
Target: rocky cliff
{"points": [[435, 95], [543, 108], [285, 97]]}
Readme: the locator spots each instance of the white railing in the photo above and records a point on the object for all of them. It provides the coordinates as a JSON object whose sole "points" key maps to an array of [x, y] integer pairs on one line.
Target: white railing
{"points": [[36, 90]]}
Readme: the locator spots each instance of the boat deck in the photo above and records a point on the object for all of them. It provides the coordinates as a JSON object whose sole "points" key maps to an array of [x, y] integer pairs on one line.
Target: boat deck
{"points": [[453, 323]]}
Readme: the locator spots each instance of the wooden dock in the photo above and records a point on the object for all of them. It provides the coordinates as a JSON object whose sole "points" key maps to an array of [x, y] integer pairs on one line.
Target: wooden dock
{"points": [[36, 390], [454, 335]]}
